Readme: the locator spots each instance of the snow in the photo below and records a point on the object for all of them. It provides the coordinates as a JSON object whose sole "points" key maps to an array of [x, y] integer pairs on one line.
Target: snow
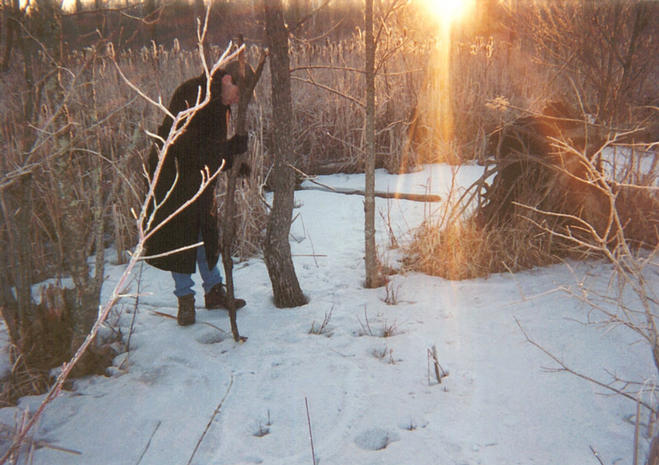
{"points": [[371, 399]]}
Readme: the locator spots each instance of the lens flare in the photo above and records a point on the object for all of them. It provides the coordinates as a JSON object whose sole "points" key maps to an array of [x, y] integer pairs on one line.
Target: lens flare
{"points": [[448, 11], [432, 131]]}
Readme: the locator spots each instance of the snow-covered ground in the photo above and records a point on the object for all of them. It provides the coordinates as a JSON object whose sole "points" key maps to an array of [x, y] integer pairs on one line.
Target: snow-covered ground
{"points": [[371, 399]]}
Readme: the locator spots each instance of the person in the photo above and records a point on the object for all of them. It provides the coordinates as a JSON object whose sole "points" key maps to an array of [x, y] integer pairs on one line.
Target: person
{"points": [[203, 144]]}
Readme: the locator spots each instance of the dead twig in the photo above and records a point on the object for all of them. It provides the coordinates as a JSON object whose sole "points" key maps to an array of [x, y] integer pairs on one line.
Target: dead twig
{"points": [[148, 444], [135, 307], [167, 315], [440, 373], [597, 455], [210, 422], [567, 369], [312, 82], [313, 453]]}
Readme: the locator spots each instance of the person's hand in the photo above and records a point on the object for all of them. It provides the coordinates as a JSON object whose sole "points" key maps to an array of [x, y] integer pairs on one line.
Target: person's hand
{"points": [[237, 144]]}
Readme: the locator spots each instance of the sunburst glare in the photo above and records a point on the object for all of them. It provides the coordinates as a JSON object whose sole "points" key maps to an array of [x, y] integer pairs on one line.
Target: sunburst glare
{"points": [[448, 11], [435, 109]]}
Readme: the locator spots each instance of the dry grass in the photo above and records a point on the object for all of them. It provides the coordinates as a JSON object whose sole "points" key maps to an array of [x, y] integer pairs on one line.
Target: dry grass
{"points": [[22, 380], [466, 250]]}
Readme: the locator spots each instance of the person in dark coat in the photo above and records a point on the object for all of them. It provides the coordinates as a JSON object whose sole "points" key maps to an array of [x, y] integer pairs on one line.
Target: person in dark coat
{"points": [[203, 144]]}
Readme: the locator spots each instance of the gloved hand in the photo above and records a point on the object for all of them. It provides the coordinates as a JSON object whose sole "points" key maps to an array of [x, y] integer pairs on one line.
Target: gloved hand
{"points": [[237, 144]]}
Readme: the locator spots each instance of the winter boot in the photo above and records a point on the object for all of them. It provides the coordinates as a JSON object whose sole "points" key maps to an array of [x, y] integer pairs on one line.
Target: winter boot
{"points": [[217, 298], [186, 313]]}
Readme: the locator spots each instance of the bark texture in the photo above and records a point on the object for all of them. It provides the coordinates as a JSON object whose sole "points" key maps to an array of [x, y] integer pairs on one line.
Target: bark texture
{"points": [[373, 276], [277, 250]]}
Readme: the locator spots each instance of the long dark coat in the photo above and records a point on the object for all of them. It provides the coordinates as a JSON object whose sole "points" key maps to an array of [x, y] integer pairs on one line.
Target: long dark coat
{"points": [[204, 143]]}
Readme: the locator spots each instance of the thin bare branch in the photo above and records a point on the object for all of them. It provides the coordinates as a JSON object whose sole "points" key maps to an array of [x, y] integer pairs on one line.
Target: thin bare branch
{"points": [[313, 82], [565, 368]]}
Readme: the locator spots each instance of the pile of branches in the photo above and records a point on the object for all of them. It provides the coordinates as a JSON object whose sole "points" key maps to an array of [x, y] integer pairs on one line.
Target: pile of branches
{"points": [[550, 191], [552, 171], [534, 173]]}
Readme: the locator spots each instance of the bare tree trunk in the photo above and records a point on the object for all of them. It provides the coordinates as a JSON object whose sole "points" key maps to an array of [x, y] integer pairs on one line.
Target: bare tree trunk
{"points": [[653, 455], [10, 10], [17, 210], [22, 262], [373, 277], [277, 250]]}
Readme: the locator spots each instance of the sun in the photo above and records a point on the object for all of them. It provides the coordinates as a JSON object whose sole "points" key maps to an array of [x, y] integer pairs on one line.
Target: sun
{"points": [[448, 11]]}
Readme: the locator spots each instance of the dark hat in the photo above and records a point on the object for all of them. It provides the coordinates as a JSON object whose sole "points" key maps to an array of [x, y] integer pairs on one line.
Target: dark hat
{"points": [[234, 69]]}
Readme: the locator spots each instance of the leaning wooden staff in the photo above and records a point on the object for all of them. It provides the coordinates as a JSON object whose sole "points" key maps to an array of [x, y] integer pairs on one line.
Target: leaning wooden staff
{"points": [[247, 84]]}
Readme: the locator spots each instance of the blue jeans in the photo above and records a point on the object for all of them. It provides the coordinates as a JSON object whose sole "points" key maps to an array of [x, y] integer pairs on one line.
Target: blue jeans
{"points": [[183, 283]]}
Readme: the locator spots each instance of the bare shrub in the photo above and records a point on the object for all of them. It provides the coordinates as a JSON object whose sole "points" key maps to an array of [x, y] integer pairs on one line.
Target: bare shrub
{"points": [[632, 253], [604, 49], [386, 330], [324, 327]]}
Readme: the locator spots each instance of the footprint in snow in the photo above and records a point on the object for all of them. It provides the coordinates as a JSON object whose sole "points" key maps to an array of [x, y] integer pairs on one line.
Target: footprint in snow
{"points": [[209, 336], [376, 439]]}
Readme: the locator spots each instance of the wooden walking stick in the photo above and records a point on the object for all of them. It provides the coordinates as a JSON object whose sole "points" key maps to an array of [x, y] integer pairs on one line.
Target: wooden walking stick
{"points": [[247, 84]]}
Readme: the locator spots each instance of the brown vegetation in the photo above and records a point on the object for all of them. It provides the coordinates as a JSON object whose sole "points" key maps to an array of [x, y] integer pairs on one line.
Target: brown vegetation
{"points": [[548, 194]]}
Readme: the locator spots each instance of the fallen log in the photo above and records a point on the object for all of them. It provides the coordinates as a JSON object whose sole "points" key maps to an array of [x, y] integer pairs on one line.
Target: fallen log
{"points": [[342, 190], [382, 194]]}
